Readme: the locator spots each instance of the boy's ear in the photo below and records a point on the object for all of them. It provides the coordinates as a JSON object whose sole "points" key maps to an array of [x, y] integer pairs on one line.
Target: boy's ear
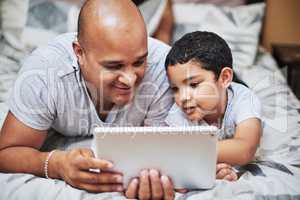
{"points": [[78, 52], [225, 77]]}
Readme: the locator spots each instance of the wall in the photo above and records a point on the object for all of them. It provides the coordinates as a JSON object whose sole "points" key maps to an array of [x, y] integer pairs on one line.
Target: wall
{"points": [[282, 23]]}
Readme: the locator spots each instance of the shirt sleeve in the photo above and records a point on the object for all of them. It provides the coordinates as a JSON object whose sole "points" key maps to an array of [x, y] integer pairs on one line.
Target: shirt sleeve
{"points": [[162, 98], [160, 106], [30, 100], [248, 106]]}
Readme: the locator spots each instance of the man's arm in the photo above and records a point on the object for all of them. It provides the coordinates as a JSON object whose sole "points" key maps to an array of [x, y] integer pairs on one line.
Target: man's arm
{"points": [[19, 153], [18, 148]]}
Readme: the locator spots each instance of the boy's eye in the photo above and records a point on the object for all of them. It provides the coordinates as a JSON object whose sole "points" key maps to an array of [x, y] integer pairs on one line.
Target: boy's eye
{"points": [[194, 85], [174, 89]]}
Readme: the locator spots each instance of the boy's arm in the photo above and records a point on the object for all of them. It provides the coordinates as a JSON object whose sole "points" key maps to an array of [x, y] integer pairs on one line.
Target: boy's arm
{"points": [[241, 149]]}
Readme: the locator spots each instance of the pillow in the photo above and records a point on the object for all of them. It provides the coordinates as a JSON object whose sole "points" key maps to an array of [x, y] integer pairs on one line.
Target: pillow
{"points": [[216, 2], [152, 12], [61, 17], [239, 26]]}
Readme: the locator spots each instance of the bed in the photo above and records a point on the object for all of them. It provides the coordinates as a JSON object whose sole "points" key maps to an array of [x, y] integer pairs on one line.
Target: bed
{"points": [[273, 175]]}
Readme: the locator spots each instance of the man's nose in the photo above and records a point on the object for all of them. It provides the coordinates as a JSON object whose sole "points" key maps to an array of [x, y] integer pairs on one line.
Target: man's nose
{"points": [[128, 78]]}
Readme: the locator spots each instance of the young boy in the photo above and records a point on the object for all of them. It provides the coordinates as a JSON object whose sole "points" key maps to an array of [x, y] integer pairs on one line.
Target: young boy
{"points": [[199, 68]]}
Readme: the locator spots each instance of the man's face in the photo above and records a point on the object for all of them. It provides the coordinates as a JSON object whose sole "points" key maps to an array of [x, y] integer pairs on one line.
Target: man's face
{"points": [[114, 68]]}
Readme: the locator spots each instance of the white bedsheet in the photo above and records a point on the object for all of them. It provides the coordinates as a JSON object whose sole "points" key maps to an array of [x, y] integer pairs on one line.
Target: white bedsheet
{"points": [[264, 179]]}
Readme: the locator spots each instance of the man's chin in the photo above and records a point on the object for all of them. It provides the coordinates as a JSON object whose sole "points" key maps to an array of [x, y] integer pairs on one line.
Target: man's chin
{"points": [[122, 101]]}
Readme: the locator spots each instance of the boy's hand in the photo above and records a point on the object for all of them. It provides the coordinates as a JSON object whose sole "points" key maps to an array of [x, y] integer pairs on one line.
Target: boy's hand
{"points": [[225, 171], [150, 185]]}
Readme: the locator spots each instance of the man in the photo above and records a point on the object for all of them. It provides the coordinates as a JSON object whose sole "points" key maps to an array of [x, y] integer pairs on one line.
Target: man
{"points": [[100, 78]]}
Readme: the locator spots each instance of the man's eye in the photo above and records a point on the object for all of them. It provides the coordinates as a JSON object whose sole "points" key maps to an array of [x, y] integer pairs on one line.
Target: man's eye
{"points": [[194, 85], [139, 63], [113, 67]]}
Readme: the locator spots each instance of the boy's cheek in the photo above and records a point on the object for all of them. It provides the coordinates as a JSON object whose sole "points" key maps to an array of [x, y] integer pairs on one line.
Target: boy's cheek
{"points": [[178, 103]]}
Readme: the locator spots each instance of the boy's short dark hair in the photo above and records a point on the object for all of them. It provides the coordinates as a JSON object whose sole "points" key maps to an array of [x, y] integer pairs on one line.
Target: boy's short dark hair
{"points": [[206, 48]]}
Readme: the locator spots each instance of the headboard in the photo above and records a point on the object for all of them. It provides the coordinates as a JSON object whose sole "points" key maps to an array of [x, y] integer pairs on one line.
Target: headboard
{"points": [[281, 24]]}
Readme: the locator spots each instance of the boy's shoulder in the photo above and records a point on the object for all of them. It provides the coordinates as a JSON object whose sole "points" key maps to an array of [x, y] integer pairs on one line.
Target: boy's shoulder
{"points": [[239, 89], [242, 103], [238, 93]]}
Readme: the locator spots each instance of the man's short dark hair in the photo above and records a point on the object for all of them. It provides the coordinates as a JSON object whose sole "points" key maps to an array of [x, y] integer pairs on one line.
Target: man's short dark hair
{"points": [[205, 48]]}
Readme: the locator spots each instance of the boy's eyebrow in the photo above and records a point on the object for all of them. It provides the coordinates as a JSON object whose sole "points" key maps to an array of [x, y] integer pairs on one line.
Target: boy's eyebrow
{"points": [[190, 78]]}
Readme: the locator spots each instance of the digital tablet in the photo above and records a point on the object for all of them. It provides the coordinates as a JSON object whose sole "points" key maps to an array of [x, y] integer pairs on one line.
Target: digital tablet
{"points": [[186, 154]]}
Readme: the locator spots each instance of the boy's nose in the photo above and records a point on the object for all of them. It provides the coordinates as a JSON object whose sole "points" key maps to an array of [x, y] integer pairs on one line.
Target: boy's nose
{"points": [[185, 95]]}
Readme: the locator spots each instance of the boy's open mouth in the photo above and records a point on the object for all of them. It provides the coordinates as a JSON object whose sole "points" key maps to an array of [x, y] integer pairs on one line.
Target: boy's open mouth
{"points": [[189, 110]]}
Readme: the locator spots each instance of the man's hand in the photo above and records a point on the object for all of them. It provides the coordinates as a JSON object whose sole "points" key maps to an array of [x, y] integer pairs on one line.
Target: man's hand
{"points": [[225, 171], [74, 168], [150, 185]]}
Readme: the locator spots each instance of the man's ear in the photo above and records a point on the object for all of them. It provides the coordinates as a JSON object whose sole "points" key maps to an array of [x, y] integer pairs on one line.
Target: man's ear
{"points": [[225, 77], [78, 52]]}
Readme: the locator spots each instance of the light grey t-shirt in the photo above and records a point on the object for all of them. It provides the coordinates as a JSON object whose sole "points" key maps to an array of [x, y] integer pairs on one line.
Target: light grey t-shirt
{"points": [[51, 93], [242, 104]]}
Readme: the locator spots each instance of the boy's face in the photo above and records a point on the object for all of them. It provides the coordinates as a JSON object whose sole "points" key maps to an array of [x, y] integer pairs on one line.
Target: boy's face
{"points": [[196, 90]]}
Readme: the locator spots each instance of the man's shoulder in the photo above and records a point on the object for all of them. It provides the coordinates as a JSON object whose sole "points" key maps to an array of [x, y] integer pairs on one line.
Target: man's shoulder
{"points": [[57, 55], [157, 52], [157, 49]]}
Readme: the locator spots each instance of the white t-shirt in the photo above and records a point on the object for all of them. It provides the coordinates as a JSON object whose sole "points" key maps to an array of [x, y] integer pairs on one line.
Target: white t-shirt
{"points": [[50, 92], [242, 104]]}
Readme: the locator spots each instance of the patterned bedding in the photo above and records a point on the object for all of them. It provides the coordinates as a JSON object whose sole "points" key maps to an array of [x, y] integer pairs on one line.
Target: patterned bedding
{"points": [[272, 176]]}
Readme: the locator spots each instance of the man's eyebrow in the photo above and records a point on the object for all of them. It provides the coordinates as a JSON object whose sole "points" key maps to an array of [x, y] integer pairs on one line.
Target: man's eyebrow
{"points": [[116, 62], [143, 56], [111, 62]]}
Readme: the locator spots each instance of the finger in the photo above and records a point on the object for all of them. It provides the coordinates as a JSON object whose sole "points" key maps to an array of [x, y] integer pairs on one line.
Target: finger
{"points": [[222, 166], [183, 191], [156, 187], [168, 188], [85, 163], [228, 177], [100, 178], [101, 188], [223, 172], [219, 175], [87, 153], [144, 188], [234, 176], [132, 190]]}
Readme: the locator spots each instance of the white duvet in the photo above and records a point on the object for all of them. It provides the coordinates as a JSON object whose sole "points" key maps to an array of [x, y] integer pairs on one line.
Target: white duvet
{"points": [[271, 177]]}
